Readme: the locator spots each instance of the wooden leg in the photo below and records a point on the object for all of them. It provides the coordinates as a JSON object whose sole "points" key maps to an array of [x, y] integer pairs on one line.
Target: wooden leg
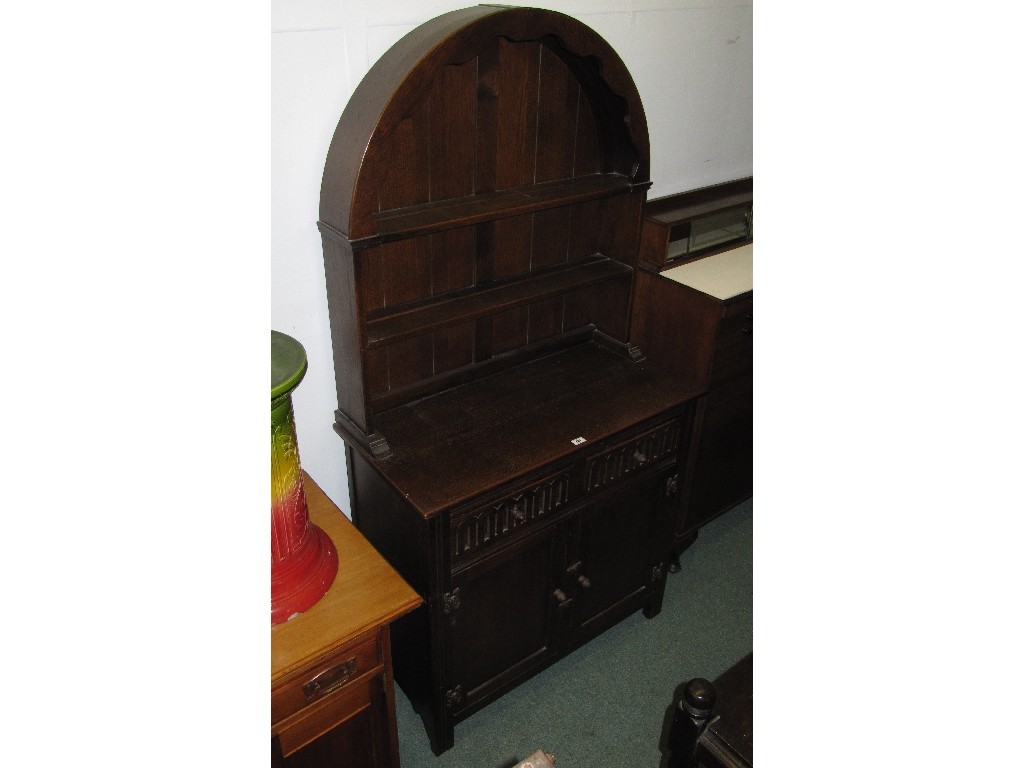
{"points": [[681, 545], [443, 741], [654, 603]]}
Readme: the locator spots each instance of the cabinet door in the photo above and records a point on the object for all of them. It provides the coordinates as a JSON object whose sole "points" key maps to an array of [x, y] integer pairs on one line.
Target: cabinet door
{"points": [[502, 619], [621, 546]]}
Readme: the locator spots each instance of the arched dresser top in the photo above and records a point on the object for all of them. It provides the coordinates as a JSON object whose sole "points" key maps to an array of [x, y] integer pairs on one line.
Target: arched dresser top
{"points": [[448, 113]]}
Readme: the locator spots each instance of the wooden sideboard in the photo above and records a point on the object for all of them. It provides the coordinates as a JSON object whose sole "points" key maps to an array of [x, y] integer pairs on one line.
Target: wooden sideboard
{"points": [[694, 313], [524, 545], [691, 225], [511, 452], [332, 689]]}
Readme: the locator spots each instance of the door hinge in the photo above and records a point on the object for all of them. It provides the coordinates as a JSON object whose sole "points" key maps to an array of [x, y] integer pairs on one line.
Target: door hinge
{"points": [[451, 601], [672, 485], [657, 572], [453, 696]]}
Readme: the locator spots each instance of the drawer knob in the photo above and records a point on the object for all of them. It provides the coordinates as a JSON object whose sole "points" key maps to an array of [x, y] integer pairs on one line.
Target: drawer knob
{"points": [[561, 598], [329, 680], [584, 582]]}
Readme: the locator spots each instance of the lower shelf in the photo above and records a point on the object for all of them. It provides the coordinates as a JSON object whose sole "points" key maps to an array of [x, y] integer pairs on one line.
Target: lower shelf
{"points": [[389, 326]]}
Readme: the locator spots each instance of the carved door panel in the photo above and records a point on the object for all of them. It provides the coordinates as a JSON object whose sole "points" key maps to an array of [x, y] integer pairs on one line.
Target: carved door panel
{"points": [[502, 618], [619, 550]]}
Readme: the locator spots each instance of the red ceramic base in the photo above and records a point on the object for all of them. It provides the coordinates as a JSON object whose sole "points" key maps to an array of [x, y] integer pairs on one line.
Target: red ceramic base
{"points": [[302, 578]]}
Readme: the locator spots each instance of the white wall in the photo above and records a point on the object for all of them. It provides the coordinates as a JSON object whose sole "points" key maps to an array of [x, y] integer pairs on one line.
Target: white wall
{"points": [[692, 63]]}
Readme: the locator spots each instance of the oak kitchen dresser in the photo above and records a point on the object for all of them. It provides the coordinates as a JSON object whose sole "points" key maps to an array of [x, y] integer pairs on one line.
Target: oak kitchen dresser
{"points": [[510, 452]]}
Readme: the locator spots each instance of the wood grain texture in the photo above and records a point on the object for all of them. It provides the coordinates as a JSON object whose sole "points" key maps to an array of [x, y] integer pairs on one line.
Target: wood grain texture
{"points": [[515, 81], [332, 684], [488, 145], [471, 439], [518, 65]]}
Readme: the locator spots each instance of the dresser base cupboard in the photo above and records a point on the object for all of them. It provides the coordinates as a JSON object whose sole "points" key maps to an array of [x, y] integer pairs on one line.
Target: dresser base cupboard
{"points": [[524, 544]]}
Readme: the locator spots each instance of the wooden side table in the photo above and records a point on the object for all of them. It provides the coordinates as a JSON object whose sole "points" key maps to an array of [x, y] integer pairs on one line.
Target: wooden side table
{"points": [[332, 688]]}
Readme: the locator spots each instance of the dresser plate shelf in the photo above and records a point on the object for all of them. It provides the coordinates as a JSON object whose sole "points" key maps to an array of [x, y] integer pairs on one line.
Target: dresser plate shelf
{"points": [[394, 324], [442, 215]]}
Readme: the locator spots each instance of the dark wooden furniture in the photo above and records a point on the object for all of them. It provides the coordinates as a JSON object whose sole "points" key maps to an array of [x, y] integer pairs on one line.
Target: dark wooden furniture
{"points": [[510, 452], [695, 316], [332, 690], [691, 225], [713, 724]]}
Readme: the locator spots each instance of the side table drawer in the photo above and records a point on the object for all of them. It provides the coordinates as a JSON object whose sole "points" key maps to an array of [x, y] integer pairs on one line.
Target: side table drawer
{"points": [[331, 715], [327, 679]]}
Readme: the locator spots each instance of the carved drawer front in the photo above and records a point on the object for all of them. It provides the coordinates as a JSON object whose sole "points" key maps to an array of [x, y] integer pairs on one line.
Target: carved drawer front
{"points": [[632, 456], [479, 529], [325, 681]]}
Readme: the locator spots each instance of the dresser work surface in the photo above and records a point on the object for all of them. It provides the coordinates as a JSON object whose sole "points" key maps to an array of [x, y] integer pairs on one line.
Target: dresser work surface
{"points": [[510, 424]]}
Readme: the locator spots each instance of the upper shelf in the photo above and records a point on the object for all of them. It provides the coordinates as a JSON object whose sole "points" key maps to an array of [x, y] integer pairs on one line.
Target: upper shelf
{"points": [[464, 211], [387, 326]]}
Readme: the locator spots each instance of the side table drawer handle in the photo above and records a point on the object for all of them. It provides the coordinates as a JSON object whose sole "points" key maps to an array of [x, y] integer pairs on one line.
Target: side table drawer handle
{"points": [[329, 680]]}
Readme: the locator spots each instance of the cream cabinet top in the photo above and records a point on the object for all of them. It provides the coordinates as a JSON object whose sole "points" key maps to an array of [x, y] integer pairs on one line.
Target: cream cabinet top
{"points": [[723, 275]]}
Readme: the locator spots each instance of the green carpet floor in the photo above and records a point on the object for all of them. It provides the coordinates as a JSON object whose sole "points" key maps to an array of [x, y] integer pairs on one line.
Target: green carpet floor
{"points": [[606, 703]]}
